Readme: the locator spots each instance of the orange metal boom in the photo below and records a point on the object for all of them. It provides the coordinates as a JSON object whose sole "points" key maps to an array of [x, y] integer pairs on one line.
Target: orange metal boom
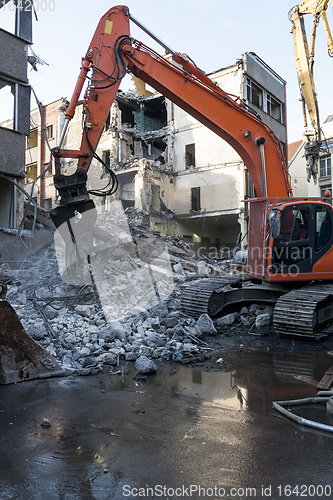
{"points": [[112, 52]]}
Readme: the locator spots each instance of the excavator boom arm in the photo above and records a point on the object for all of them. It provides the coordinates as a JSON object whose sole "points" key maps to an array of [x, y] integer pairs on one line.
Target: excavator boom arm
{"points": [[304, 60], [218, 111], [112, 51]]}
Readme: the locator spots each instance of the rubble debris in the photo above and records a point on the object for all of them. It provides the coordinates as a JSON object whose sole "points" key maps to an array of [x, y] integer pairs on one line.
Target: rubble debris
{"points": [[327, 379], [70, 322], [145, 365], [226, 320], [262, 320], [46, 423], [206, 325]]}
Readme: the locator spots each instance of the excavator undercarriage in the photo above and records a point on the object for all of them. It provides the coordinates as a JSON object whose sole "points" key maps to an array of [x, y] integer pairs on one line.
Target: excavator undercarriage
{"points": [[305, 312]]}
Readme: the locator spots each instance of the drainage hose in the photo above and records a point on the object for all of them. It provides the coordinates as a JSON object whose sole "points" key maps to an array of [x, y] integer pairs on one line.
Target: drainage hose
{"points": [[300, 420]]}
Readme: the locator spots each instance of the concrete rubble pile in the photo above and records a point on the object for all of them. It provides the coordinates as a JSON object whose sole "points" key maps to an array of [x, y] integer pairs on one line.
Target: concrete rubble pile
{"points": [[72, 323]]}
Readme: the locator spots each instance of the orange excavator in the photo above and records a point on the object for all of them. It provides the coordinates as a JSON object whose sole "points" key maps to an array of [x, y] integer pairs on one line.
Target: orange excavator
{"points": [[290, 240]]}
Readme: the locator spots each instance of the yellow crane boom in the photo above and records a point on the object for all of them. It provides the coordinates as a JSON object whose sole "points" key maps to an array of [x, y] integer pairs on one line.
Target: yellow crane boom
{"points": [[304, 60]]}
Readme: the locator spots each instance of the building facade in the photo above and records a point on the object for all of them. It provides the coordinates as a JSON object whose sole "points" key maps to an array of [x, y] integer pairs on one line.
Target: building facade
{"points": [[14, 97], [46, 123]]}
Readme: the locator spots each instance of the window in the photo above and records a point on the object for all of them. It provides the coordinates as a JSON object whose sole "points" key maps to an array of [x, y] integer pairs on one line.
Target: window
{"points": [[323, 228], [49, 132], [274, 108], [32, 139], [190, 155], [325, 166], [323, 190], [31, 173], [254, 93], [195, 199], [291, 247], [263, 100], [155, 190], [48, 203], [47, 170], [295, 225]]}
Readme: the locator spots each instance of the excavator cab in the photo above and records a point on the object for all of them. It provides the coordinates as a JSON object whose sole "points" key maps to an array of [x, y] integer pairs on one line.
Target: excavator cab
{"points": [[290, 240]]}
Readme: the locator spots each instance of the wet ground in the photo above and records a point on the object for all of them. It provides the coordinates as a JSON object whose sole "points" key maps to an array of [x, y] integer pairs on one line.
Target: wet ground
{"points": [[202, 431]]}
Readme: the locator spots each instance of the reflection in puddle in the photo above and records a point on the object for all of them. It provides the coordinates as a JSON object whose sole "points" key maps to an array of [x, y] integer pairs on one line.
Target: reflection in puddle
{"points": [[247, 381]]}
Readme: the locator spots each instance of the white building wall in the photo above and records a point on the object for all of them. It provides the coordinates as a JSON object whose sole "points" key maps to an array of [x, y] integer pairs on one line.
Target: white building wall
{"points": [[218, 169], [297, 171], [220, 188]]}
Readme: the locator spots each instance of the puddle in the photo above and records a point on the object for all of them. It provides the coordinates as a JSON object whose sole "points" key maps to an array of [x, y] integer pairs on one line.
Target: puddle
{"points": [[241, 380], [202, 423]]}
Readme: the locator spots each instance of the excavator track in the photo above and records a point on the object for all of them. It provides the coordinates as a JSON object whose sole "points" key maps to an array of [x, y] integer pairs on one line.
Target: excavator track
{"points": [[213, 295], [195, 299], [305, 313]]}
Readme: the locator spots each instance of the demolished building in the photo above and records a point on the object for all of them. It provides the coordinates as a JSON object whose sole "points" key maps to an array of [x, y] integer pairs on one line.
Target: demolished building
{"points": [[182, 178]]}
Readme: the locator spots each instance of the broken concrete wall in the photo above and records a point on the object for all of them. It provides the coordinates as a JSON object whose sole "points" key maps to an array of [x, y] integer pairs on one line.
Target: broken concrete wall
{"points": [[152, 188], [136, 153]]}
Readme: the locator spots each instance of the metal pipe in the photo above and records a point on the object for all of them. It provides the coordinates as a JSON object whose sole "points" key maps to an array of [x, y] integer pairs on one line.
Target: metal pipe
{"points": [[15, 206], [151, 34], [260, 142], [63, 133], [16, 105]]}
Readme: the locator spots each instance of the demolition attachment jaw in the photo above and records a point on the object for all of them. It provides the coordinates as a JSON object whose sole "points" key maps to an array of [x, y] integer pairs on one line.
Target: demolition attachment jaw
{"points": [[76, 215], [311, 154], [75, 221]]}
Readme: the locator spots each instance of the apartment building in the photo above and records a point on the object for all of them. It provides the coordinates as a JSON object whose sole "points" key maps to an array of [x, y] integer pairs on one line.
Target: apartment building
{"points": [[211, 180], [46, 123], [14, 100]]}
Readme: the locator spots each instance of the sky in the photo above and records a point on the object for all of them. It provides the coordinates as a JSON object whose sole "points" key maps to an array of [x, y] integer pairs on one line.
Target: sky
{"points": [[214, 33]]}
